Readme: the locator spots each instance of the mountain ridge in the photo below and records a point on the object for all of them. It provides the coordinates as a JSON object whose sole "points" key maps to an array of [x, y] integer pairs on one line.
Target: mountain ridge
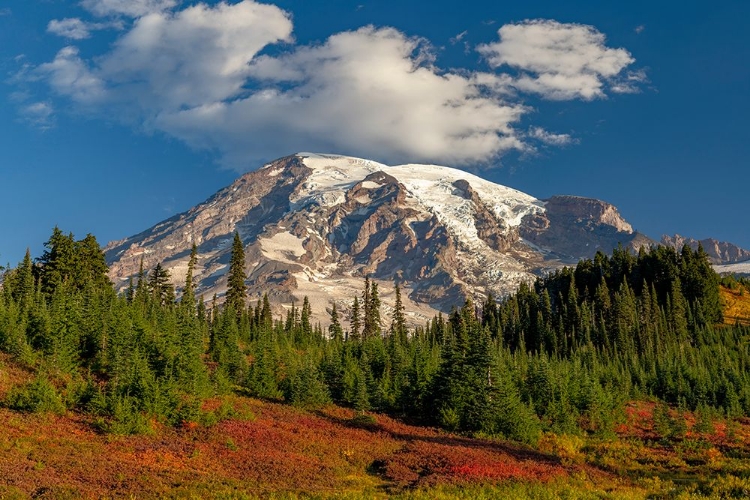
{"points": [[316, 224]]}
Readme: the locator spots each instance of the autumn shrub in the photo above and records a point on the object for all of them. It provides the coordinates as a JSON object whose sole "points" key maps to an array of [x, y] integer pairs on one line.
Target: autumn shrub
{"points": [[694, 450], [614, 454], [37, 396], [565, 446], [726, 487], [519, 490]]}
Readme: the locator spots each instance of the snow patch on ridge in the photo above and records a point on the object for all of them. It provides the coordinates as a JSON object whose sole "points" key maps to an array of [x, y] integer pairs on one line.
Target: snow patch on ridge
{"points": [[332, 176], [431, 186], [736, 268], [509, 204], [282, 247]]}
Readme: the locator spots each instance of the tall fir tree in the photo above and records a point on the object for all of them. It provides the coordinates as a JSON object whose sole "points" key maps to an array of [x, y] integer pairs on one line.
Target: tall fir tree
{"points": [[91, 268], [372, 311], [188, 293], [21, 281], [160, 286], [355, 320], [367, 327], [335, 332], [236, 289], [398, 325]]}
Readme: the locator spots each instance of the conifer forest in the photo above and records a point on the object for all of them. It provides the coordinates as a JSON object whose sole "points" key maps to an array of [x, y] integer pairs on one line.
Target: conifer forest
{"points": [[565, 355]]}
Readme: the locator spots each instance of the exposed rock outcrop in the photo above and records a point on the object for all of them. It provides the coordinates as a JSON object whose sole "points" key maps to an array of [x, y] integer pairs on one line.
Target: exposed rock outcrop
{"points": [[576, 227], [719, 252]]}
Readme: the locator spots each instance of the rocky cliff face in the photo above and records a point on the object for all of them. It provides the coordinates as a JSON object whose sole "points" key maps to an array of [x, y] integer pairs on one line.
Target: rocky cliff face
{"points": [[574, 228], [719, 252], [316, 225]]}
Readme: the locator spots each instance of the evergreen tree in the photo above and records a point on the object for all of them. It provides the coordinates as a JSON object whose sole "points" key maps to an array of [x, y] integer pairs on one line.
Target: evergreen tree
{"points": [[20, 281], [398, 325], [678, 312], [355, 320], [264, 316], [305, 318], [188, 293], [335, 332], [160, 286], [91, 266], [236, 290], [141, 292], [372, 313], [368, 329], [58, 263]]}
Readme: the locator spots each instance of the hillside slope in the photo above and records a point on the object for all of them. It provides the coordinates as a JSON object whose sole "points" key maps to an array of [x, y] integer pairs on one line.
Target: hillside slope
{"points": [[736, 304], [264, 448]]}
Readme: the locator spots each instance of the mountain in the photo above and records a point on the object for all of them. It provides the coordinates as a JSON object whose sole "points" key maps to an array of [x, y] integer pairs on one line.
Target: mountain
{"points": [[719, 252], [315, 225]]}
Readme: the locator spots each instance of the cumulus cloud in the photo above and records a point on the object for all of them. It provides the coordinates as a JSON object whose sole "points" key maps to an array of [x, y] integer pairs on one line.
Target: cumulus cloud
{"points": [[555, 60], [70, 76], [364, 92], [196, 56], [201, 74], [167, 61], [131, 8]]}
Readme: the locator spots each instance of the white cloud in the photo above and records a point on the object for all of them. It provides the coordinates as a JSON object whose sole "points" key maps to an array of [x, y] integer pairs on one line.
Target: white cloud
{"points": [[550, 138], [38, 114], [459, 37], [69, 75], [555, 60], [76, 29], [196, 74], [363, 92], [169, 61], [196, 56], [131, 8], [640, 29], [70, 27], [630, 83]]}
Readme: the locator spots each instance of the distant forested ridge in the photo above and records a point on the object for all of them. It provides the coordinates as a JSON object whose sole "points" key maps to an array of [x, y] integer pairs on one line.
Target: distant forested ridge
{"points": [[563, 354]]}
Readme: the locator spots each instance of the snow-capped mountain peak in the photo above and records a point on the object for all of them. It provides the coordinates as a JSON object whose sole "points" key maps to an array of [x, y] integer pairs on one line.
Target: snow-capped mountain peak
{"points": [[316, 224]]}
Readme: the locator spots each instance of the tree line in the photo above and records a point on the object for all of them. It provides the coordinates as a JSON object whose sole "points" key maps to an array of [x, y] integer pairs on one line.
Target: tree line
{"points": [[564, 353]]}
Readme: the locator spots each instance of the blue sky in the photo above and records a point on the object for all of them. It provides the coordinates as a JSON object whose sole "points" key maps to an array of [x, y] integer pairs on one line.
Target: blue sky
{"points": [[117, 114]]}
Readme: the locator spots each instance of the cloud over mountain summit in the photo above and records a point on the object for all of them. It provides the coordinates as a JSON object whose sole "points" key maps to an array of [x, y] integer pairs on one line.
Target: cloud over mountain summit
{"points": [[229, 77]]}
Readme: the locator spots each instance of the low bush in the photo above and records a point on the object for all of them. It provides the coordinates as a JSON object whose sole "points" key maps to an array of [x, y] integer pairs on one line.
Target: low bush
{"points": [[37, 396]]}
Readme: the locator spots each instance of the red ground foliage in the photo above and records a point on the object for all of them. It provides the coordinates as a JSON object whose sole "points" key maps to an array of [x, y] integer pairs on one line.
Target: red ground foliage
{"points": [[281, 449], [640, 424]]}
